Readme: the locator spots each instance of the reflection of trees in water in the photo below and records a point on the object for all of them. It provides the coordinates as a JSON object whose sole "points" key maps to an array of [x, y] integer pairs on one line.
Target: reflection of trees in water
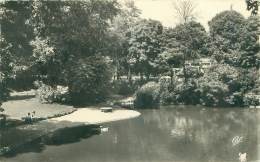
{"points": [[24, 140], [195, 134]]}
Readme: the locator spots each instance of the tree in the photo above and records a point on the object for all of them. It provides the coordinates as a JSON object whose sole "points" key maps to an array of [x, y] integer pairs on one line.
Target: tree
{"points": [[249, 39], [235, 39], [192, 38], [225, 32], [185, 10], [67, 32], [89, 80], [144, 46], [127, 17], [253, 6], [16, 30], [5, 68]]}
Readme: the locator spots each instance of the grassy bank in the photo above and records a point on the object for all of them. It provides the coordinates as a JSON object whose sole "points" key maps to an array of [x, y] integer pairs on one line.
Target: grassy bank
{"points": [[20, 104]]}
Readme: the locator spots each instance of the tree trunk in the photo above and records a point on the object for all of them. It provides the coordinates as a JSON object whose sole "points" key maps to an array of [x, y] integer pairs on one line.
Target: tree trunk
{"points": [[129, 74]]}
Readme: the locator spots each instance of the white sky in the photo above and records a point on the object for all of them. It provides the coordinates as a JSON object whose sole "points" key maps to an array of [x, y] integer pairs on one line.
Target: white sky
{"points": [[162, 10]]}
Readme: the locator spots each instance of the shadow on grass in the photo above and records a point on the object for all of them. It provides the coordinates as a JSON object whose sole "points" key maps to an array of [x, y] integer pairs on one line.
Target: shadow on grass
{"points": [[21, 97], [59, 137]]}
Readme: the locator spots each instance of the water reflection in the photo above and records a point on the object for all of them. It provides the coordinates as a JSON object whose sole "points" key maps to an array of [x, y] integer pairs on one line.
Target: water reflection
{"points": [[11, 138], [164, 135]]}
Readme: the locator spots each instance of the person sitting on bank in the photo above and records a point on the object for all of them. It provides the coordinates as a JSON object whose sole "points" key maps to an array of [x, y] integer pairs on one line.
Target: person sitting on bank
{"points": [[28, 118]]}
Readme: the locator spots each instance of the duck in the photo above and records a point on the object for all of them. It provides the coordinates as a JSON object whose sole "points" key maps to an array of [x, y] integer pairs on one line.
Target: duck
{"points": [[242, 157]]}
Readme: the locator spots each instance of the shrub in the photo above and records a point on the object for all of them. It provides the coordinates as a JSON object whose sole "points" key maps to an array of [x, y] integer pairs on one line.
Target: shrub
{"points": [[186, 93], [48, 94], [123, 87], [167, 95], [212, 91], [89, 80], [148, 96], [251, 100]]}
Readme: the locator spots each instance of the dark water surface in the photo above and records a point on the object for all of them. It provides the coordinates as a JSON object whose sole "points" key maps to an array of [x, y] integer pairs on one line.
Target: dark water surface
{"points": [[165, 135]]}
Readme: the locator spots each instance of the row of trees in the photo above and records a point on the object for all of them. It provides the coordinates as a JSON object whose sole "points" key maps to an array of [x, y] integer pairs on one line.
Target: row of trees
{"points": [[79, 44]]}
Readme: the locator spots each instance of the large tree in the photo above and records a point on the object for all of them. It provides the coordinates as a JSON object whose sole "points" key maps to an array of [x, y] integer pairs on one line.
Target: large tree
{"points": [[144, 46], [225, 31], [250, 46], [67, 32], [193, 39], [16, 30], [234, 38], [127, 17]]}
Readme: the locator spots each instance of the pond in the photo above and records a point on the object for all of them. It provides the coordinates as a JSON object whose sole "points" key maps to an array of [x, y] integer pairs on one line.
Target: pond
{"points": [[187, 134]]}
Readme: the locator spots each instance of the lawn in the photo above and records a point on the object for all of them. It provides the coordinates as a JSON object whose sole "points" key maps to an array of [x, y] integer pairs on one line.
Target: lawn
{"points": [[20, 104]]}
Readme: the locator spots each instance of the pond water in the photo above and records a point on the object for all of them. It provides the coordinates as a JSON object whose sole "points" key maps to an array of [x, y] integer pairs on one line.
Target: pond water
{"points": [[168, 134]]}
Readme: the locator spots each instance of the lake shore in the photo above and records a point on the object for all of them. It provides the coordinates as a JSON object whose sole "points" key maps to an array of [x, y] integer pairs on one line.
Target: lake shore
{"points": [[93, 115], [22, 103]]}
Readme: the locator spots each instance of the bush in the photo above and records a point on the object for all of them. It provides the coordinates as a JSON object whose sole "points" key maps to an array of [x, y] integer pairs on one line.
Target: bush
{"points": [[48, 94], [148, 96], [212, 92], [89, 80], [122, 87], [167, 95], [251, 100]]}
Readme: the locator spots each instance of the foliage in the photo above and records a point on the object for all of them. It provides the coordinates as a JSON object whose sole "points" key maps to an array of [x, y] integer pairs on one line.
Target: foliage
{"points": [[253, 6], [251, 101], [227, 25], [89, 80], [48, 94], [124, 87], [249, 39], [192, 37], [78, 44], [168, 93], [170, 57], [5, 68], [16, 30], [71, 40], [118, 43], [235, 39], [144, 46], [212, 91], [148, 96]]}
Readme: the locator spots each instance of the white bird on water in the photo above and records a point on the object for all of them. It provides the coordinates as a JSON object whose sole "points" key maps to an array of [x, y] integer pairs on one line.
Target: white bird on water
{"points": [[103, 129], [242, 157]]}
